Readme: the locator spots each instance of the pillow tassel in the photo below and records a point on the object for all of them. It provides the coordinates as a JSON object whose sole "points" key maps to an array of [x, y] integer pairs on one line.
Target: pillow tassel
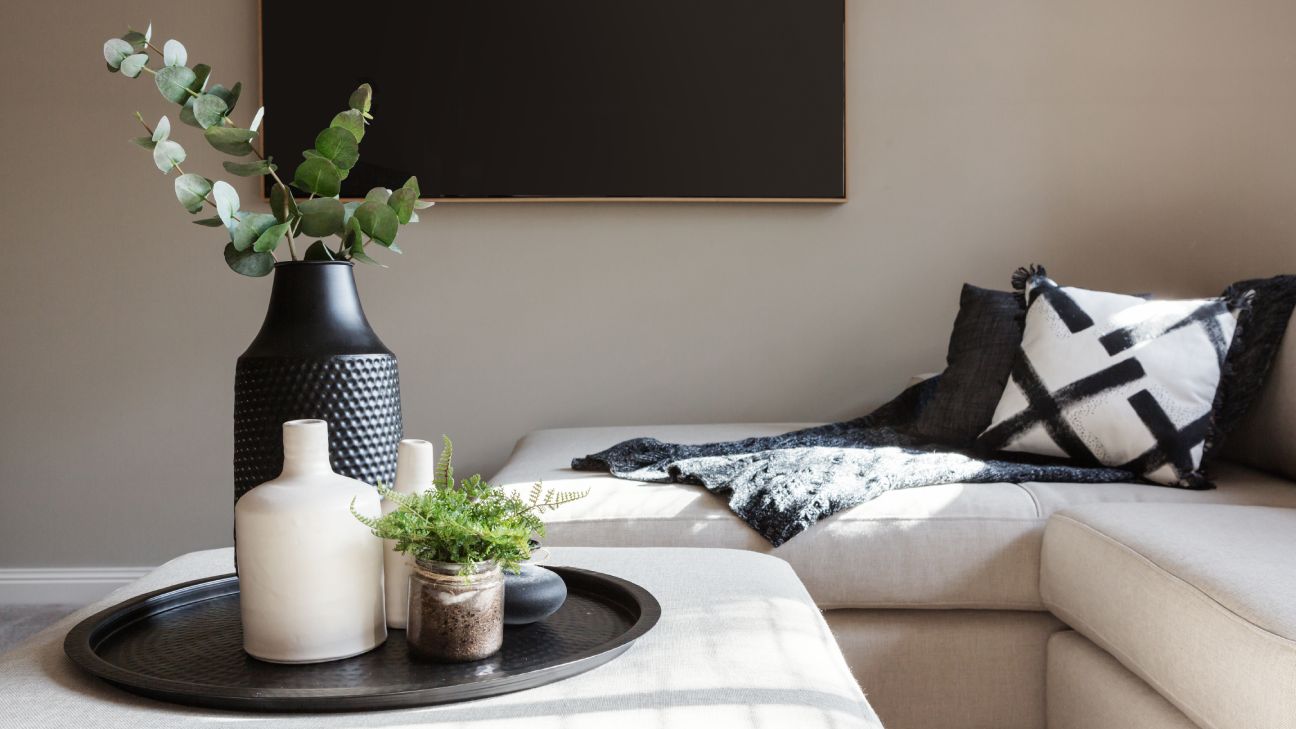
{"points": [[1239, 301], [1022, 276]]}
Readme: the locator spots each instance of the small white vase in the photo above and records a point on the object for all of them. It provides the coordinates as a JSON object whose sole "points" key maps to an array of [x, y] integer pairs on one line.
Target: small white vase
{"points": [[310, 574], [415, 469]]}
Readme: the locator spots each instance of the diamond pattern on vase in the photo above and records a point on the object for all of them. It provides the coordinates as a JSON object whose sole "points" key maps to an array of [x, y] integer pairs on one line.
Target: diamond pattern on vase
{"points": [[358, 395]]}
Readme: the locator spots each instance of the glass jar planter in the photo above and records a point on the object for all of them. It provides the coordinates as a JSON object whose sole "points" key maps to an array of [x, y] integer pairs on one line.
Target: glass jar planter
{"points": [[454, 617]]}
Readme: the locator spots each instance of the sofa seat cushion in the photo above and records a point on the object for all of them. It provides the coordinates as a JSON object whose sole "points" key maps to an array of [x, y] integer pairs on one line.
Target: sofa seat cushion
{"points": [[947, 546], [1197, 600]]}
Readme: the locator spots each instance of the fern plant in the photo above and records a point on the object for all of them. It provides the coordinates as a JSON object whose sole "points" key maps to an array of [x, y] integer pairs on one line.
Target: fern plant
{"points": [[466, 522]]}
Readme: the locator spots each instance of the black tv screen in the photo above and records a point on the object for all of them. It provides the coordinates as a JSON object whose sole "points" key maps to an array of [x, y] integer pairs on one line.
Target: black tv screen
{"points": [[502, 99]]}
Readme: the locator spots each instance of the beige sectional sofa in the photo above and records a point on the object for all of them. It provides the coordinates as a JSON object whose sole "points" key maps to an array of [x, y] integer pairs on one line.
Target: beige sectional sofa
{"points": [[1005, 606]]}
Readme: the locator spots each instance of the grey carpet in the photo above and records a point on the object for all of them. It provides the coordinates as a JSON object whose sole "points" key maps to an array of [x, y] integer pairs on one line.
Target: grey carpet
{"points": [[17, 622]]}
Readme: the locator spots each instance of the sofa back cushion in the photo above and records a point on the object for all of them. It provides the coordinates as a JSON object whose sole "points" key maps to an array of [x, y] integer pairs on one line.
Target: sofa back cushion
{"points": [[1266, 437], [982, 348]]}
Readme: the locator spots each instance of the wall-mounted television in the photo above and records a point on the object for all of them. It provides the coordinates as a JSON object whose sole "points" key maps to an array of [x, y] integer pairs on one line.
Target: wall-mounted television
{"points": [[570, 99]]}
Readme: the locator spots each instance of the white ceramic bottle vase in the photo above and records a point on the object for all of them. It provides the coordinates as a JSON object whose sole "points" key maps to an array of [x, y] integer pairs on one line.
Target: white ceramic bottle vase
{"points": [[310, 574], [415, 469]]}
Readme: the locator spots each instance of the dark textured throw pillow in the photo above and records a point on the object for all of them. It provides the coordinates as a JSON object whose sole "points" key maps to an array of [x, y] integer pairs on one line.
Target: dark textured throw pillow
{"points": [[986, 337], [1260, 334]]}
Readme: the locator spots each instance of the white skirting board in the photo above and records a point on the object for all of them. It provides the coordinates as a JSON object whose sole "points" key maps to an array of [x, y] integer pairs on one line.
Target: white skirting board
{"points": [[63, 585]]}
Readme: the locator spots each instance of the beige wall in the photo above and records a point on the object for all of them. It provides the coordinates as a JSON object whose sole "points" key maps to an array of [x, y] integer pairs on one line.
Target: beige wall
{"points": [[1146, 144]]}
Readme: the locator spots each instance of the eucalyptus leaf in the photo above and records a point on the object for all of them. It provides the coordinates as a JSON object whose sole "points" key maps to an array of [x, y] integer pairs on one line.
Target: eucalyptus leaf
{"points": [[136, 39], [116, 50], [414, 218], [352, 121], [282, 203], [131, 66], [423, 204], [227, 202], [209, 222], [201, 72], [145, 142], [230, 140], [361, 99], [338, 145], [321, 217], [231, 96], [256, 119], [355, 244], [352, 236], [269, 239], [318, 252], [412, 184], [249, 169], [191, 190], [248, 263], [209, 110], [148, 32], [402, 202], [250, 228], [167, 154], [348, 209], [378, 222], [173, 82], [163, 130], [187, 113], [174, 53], [358, 253], [378, 195], [318, 176]]}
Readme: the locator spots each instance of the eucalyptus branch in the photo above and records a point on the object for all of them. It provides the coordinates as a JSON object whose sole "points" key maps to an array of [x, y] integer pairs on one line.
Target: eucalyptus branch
{"points": [[254, 237], [140, 118], [207, 198]]}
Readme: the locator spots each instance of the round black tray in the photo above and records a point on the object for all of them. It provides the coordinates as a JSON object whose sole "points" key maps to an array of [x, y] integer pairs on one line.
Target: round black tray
{"points": [[185, 644]]}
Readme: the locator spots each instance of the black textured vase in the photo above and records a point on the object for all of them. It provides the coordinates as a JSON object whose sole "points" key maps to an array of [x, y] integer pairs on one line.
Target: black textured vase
{"points": [[316, 357]]}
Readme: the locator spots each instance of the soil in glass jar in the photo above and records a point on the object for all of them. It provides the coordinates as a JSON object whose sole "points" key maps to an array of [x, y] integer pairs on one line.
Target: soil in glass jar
{"points": [[455, 617]]}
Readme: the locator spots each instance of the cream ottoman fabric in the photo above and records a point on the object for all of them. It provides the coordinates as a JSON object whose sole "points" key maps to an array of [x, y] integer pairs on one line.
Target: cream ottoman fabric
{"points": [[739, 644], [1198, 601]]}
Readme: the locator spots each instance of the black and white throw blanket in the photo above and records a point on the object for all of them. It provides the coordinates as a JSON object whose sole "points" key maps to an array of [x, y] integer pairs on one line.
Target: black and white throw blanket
{"points": [[783, 484]]}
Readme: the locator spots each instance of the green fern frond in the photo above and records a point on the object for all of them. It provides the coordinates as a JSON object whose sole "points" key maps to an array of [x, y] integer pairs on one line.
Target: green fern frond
{"points": [[474, 522], [444, 476], [542, 501], [366, 520]]}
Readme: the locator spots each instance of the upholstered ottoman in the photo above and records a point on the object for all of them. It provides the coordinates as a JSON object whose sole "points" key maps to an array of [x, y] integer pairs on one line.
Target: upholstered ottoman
{"points": [[740, 643]]}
